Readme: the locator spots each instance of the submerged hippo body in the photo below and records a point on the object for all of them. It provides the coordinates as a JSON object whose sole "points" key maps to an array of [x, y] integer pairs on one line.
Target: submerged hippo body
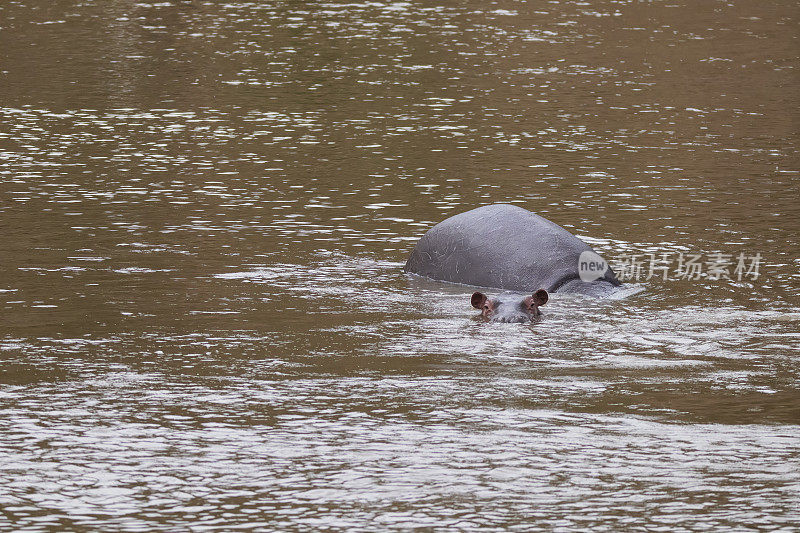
{"points": [[506, 247]]}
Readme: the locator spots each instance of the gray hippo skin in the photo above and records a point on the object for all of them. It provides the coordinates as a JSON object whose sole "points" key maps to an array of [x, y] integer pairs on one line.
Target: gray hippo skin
{"points": [[505, 247]]}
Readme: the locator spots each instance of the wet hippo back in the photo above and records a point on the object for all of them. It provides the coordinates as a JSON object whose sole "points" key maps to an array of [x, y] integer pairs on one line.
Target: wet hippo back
{"points": [[506, 247]]}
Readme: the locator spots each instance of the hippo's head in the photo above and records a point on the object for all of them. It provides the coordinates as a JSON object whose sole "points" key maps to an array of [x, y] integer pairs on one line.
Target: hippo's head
{"points": [[509, 307]]}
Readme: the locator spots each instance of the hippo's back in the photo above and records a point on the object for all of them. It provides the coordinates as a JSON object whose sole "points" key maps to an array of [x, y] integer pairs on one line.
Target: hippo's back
{"points": [[501, 246]]}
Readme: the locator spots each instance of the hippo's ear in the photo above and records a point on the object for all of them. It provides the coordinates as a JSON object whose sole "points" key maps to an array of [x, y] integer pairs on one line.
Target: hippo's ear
{"points": [[540, 297], [478, 299]]}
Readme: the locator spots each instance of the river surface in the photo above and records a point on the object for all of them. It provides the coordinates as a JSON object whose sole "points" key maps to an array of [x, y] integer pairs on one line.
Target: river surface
{"points": [[205, 208]]}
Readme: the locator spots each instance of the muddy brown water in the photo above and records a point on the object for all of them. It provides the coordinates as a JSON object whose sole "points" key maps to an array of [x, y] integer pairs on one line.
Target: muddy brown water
{"points": [[205, 208]]}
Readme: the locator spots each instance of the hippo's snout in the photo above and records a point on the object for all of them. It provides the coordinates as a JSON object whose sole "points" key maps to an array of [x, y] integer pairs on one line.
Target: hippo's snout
{"points": [[515, 319]]}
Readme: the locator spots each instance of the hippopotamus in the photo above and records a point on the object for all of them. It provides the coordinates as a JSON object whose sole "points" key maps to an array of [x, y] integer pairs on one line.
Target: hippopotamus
{"points": [[510, 307], [504, 246]]}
